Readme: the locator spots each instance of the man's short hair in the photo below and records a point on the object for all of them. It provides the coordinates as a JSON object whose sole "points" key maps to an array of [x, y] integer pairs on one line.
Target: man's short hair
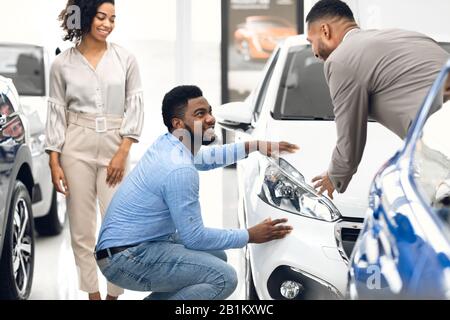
{"points": [[175, 103], [329, 9]]}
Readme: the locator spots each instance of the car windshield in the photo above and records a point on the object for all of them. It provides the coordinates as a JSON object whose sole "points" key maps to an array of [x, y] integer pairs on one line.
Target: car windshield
{"points": [[24, 65], [303, 93]]}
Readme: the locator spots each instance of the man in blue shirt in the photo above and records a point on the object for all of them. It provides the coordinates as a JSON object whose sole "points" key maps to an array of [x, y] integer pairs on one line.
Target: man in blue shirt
{"points": [[153, 237]]}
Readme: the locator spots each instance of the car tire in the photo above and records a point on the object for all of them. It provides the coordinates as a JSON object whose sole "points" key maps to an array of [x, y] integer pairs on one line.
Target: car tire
{"points": [[53, 222], [17, 259], [250, 291]]}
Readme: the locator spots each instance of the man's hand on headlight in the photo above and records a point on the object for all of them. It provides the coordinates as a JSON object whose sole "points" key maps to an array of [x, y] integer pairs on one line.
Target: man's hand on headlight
{"points": [[323, 183], [268, 230]]}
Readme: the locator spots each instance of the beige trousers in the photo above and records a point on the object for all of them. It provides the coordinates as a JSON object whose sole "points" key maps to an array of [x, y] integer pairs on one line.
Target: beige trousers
{"points": [[85, 157]]}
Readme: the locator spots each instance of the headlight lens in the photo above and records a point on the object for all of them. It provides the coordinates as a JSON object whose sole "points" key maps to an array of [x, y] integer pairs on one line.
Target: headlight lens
{"points": [[284, 188]]}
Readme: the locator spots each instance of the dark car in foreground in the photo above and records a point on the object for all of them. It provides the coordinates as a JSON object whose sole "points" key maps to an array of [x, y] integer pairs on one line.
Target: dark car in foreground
{"points": [[16, 186]]}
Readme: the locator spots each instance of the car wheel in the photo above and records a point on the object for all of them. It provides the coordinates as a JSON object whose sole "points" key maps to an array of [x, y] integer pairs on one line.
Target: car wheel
{"points": [[17, 260], [250, 291], [53, 222], [245, 50]]}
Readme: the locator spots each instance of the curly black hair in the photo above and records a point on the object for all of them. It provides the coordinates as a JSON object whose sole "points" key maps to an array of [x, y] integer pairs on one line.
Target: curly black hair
{"points": [[88, 10]]}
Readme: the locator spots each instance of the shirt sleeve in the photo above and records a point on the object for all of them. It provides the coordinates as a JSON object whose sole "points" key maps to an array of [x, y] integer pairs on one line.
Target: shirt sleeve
{"points": [[55, 129], [351, 104], [181, 194], [134, 102], [212, 157]]}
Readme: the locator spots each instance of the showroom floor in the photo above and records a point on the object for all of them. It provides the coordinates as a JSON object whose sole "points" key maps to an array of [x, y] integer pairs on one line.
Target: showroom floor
{"points": [[55, 276]]}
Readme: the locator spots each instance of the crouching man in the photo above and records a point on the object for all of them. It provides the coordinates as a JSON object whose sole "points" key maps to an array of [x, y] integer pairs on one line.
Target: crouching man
{"points": [[153, 237]]}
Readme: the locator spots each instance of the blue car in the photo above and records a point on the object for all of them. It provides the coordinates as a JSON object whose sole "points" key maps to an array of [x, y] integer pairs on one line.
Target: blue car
{"points": [[403, 250]]}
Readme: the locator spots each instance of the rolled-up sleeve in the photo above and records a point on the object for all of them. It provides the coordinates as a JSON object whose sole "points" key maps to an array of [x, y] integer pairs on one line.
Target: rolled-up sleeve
{"points": [[351, 104], [181, 194], [56, 125], [134, 102]]}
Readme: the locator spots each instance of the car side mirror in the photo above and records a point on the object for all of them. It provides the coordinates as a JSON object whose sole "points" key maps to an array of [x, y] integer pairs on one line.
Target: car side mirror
{"points": [[234, 115]]}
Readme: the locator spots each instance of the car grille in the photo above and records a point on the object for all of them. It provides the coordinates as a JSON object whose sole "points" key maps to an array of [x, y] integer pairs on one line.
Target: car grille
{"points": [[346, 234]]}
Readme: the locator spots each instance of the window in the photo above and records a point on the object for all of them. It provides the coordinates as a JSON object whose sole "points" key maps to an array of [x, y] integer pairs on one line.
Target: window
{"points": [[303, 92], [24, 65]]}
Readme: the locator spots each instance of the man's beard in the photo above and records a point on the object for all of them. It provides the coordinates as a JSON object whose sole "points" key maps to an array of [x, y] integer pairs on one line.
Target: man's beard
{"points": [[205, 141], [323, 51]]}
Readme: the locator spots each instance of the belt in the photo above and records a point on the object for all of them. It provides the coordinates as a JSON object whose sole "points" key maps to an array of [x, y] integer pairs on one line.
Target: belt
{"points": [[99, 123], [109, 252]]}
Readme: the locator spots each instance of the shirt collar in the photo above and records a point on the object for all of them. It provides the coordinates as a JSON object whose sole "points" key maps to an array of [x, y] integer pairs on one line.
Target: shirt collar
{"points": [[349, 32], [179, 145]]}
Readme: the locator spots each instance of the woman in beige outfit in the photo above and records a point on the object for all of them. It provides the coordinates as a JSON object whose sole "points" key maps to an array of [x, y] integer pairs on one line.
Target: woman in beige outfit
{"points": [[95, 114]]}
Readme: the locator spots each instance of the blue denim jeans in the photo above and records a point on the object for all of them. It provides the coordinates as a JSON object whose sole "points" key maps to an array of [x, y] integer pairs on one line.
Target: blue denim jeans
{"points": [[171, 271]]}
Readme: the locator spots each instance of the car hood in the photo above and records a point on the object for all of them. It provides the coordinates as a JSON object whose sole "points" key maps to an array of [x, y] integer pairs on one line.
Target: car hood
{"points": [[317, 139]]}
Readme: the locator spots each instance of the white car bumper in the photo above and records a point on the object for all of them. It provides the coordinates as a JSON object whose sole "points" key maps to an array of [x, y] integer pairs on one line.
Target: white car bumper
{"points": [[310, 254]]}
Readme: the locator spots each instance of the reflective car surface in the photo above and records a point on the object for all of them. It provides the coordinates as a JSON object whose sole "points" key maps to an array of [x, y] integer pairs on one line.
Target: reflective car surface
{"points": [[28, 67], [404, 248], [16, 185]]}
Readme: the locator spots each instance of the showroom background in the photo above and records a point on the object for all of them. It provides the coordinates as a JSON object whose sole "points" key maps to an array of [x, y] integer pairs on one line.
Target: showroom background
{"points": [[176, 42]]}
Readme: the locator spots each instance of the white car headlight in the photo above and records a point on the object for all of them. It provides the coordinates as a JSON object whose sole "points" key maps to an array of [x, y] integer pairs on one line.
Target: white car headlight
{"points": [[284, 188]]}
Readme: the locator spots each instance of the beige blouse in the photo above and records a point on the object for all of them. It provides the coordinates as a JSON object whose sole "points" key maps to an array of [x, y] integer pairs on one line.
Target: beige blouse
{"points": [[113, 88]]}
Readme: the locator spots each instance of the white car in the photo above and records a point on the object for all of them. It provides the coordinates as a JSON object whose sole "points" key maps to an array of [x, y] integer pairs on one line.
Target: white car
{"points": [[28, 67], [292, 103]]}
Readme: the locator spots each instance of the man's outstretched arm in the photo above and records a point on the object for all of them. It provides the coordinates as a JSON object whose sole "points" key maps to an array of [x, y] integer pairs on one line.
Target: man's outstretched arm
{"points": [[214, 157], [181, 195]]}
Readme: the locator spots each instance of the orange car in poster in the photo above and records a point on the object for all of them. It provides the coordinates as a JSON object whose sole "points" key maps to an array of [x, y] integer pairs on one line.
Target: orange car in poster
{"points": [[258, 36]]}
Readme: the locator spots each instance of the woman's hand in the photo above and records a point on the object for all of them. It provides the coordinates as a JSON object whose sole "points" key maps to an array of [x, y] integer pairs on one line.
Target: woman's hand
{"points": [[58, 178], [116, 168]]}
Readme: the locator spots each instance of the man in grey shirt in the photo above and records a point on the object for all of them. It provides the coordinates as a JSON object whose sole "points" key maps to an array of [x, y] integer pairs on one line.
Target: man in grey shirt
{"points": [[381, 74]]}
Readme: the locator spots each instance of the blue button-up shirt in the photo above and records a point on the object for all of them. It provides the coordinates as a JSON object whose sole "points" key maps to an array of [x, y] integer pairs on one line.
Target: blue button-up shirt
{"points": [[160, 197]]}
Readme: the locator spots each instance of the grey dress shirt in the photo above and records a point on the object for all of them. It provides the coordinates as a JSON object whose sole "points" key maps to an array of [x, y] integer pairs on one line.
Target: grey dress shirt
{"points": [[381, 74], [113, 88]]}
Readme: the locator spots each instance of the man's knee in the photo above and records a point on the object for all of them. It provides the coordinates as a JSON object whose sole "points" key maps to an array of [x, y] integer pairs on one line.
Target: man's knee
{"points": [[228, 281], [220, 254]]}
